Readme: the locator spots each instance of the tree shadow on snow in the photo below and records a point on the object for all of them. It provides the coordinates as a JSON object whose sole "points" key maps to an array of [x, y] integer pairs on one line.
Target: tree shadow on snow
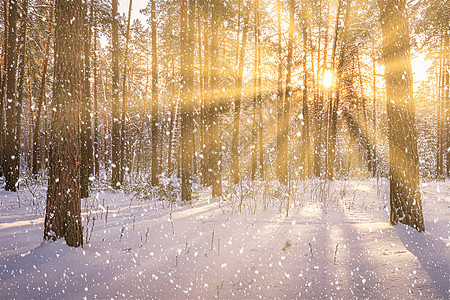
{"points": [[432, 253]]}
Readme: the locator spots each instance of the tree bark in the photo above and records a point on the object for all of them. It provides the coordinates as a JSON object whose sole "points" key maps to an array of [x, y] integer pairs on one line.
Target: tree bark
{"points": [[115, 131], [41, 99], [123, 139], [11, 151], [86, 108], [155, 119], [21, 74], [3, 75], [235, 151], [284, 139], [63, 209], [306, 143], [279, 162], [96, 113], [187, 103], [215, 109], [405, 199]]}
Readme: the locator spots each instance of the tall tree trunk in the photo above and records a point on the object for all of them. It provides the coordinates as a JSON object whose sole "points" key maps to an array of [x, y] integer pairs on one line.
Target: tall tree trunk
{"points": [[254, 147], [284, 140], [446, 88], [11, 153], [141, 131], [318, 106], [123, 138], [21, 75], [202, 95], [259, 93], [207, 171], [115, 131], [107, 144], [306, 144], [41, 99], [155, 119], [174, 103], [235, 151], [3, 75], [374, 120], [215, 109], [86, 109], [63, 210], [279, 161], [440, 134], [333, 103], [187, 48], [95, 115], [405, 199]]}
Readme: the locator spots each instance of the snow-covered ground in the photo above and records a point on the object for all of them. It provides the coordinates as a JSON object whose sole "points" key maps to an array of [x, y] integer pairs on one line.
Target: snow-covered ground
{"points": [[336, 243]]}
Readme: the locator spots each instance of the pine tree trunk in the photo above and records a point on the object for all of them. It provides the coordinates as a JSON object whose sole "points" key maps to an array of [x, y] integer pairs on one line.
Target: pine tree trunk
{"points": [[187, 21], [405, 199], [123, 139], [155, 119], [11, 153], [170, 164], [333, 103], [21, 74], [86, 141], [41, 99], [254, 147], [259, 94], [284, 140], [207, 147], [235, 151], [447, 100], [3, 75], [96, 113], [139, 160], [115, 131], [63, 210], [214, 111], [279, 161], [306, 144]]}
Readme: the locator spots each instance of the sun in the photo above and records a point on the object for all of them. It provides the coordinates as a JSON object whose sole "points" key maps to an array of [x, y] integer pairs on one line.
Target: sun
{"points": [[327, 79]]}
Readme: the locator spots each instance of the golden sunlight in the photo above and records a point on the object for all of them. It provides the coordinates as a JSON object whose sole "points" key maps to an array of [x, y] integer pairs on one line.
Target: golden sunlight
{"points": [[327, 80]]}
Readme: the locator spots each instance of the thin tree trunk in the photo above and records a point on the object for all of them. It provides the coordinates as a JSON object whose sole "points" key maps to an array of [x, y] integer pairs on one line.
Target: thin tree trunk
{"points": [[95, 129], [3, 86], [11, 153], [187, 21], [115, 131], [21, 76], [333, 103], [86, 108], [287, 99], [214, 111], [123, 138], [237, 101], [41, 99], [447, 99], [279, 162], [306, 151], [254, 147], [155, 119], [141, 132], [259, 95], [172, 122]]}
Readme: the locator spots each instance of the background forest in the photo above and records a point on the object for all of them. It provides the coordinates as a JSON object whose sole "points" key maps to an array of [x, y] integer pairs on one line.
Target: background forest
{"points": [[216, 92]]}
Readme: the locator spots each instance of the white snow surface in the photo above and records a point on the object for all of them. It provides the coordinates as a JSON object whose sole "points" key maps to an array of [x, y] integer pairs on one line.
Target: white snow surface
{"points": [[336, 243]]}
